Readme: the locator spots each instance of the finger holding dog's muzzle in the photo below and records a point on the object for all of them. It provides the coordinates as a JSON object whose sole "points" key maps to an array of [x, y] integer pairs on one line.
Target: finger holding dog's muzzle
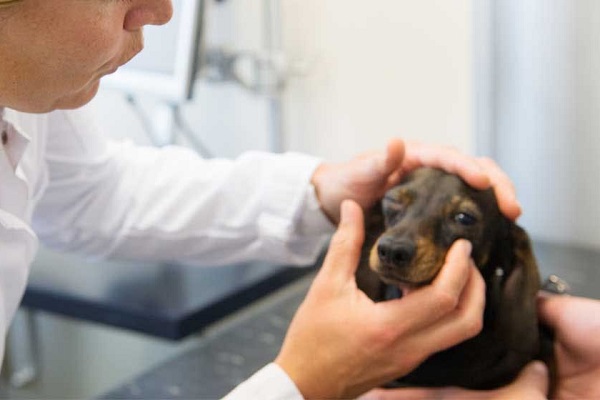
{"points": [[343, 255], [430, 303]]}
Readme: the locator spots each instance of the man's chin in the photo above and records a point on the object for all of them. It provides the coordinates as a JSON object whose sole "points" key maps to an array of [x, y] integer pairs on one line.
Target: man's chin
{"points": [[78, 99]]}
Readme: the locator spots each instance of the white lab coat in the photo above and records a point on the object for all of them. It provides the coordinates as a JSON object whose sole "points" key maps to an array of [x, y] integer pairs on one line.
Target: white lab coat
{"points": [[63, 182]]}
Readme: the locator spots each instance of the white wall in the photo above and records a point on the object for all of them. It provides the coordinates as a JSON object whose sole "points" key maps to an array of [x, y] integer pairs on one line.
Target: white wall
{"points": [[547, 99], [378, 68], [375, 69]]}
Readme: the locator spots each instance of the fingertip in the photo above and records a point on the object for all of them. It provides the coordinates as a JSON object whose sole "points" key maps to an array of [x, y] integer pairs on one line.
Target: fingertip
{"points": [[539, 368], [344, 251], [477, 273], [472, 172], [517, 209], [393, 179], [350, 211], [479, 179], [547, 307], [536, 373], [535, 368], [374, 394], [351, 219], [455, 271], [395, 151], [511, 208], [396, 146], [459, 254], [344, 210], [464, 246]]}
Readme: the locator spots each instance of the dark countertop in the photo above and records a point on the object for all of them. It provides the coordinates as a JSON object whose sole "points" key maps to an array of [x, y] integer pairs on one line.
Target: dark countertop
{"points": [[226, 355], [579, 267], [233, 351], [164, 300]]}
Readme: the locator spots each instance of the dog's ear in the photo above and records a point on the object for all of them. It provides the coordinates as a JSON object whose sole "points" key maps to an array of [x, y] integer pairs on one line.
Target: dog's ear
{"points": [[516, 290], [366, 279], [524, 257]]}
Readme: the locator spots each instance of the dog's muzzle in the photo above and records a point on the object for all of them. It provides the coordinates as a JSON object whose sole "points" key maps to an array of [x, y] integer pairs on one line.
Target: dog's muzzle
{"points": [[396, 252]]}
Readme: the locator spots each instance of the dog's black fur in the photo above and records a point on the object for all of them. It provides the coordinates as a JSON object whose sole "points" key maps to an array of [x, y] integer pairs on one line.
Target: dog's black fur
{"points": [[408, 237]]}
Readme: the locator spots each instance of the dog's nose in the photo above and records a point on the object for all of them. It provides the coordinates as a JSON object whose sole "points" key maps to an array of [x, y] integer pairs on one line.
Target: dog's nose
{"points": [[395, 251]]}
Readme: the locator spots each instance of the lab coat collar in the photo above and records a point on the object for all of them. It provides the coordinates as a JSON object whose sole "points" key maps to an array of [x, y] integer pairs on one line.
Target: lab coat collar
{"points": [[19, 138]]}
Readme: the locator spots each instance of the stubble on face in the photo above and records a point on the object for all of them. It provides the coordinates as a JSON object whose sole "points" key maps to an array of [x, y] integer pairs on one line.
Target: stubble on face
{"points": [[55, 53], [88, 92]]}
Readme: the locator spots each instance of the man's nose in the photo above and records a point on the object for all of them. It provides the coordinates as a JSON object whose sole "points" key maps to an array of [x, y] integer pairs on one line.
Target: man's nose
{"points": [[148, 12], [162, 11]]}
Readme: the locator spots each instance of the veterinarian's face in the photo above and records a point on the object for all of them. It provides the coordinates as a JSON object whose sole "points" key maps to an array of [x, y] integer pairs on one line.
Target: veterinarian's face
{"points": [[54, 52], [423, 217]]}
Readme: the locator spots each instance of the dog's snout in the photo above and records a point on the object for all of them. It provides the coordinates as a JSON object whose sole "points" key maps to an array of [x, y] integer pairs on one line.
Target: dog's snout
{"points": [[397, 252]]}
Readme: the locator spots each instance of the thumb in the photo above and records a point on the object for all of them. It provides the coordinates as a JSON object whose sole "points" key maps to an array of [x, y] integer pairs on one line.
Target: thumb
{"points": [[534, 377], [346, 244], [394, 156]]}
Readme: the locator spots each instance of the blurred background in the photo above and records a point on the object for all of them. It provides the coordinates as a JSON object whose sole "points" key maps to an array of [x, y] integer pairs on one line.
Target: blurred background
{"points": [[514, 80]]}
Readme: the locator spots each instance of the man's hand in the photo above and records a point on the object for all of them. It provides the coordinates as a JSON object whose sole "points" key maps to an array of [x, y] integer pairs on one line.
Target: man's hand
{"points": [[341, 344], [366, 178], [531, 384], [576, 324]]}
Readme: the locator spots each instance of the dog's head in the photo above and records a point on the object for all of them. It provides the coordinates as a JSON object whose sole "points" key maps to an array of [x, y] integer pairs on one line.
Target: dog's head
{"points": [[406, 244], [424, 215]]}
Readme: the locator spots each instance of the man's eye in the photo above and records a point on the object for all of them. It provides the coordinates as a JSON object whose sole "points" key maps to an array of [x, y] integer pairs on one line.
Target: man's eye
{"points": [[465, 219]]}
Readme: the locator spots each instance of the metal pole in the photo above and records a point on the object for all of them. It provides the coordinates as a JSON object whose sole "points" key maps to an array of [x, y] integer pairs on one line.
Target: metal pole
{"points": [[273, 46]]}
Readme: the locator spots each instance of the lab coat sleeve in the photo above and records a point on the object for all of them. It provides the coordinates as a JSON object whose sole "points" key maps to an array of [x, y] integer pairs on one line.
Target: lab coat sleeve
{"points": [[269, 383], [18, 243], [110, 199]]}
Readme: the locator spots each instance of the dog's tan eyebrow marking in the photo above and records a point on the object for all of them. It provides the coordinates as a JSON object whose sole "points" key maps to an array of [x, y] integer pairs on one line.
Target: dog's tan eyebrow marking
{"points": [[463, 204], [404, 196]]}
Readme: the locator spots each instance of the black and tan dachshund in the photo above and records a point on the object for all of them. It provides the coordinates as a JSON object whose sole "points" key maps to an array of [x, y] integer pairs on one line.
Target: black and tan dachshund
{"points": [[408, 237]]}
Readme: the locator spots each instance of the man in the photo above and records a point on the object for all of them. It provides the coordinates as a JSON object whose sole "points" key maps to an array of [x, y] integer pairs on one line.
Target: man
{"points": [[62, 181]]}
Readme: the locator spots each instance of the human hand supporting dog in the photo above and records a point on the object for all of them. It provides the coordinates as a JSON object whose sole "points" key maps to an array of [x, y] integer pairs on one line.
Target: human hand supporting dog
{"points": [[531, 384], [341, 343], [576, 325], [367, 177]]}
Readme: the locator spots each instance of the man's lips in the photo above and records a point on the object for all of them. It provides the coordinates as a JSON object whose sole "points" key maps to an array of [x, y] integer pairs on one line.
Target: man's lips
{"points": [[118, 65], [112, 70]]}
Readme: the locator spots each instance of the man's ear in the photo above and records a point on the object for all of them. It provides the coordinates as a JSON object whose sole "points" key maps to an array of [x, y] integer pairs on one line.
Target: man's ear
{"points": [[366, 279]]}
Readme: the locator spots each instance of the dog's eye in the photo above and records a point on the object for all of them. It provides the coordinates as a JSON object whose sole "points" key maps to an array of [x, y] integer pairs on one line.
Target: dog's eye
{"points": [[395, 207], [393, 210], [465, 219]]}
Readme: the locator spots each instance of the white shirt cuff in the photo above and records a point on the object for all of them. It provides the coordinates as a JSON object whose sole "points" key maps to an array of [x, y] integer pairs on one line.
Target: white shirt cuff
{"points": [[314, 221], [269, 383]]}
